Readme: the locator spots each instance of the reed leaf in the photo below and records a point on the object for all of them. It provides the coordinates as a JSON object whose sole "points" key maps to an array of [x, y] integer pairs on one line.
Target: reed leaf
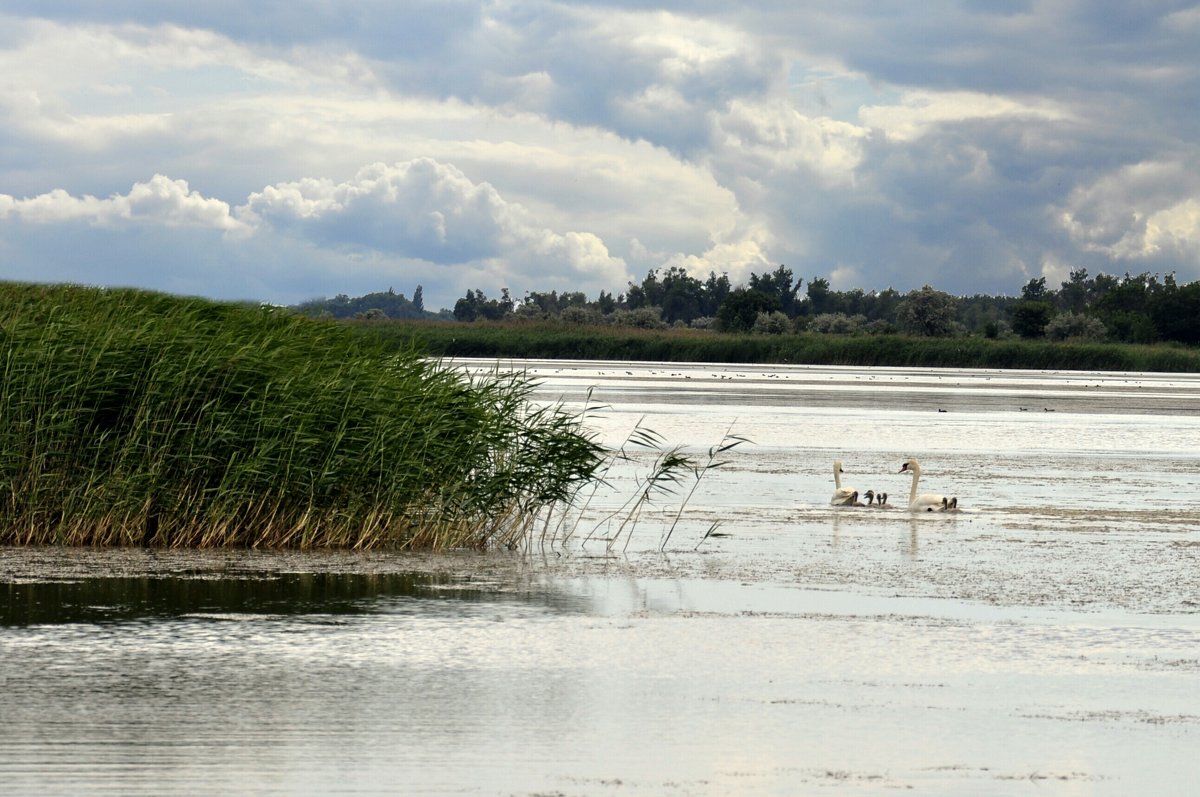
{"points": [[131, 418]]}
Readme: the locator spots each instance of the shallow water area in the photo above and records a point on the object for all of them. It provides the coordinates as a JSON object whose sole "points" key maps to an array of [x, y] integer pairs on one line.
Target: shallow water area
{"points": [[1044, 640]]}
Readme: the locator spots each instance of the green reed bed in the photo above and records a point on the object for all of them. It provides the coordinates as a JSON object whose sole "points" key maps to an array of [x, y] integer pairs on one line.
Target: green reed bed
{"points": [[551, 340], [136, 418]]}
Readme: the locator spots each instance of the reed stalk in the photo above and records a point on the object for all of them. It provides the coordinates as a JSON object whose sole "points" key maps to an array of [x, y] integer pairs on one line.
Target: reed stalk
{"points": [[132, 418], [728, 442]]}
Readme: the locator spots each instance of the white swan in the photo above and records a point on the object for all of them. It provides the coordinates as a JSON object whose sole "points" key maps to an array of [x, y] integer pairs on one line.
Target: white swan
{"points": [[920, 503], [842, 496]]}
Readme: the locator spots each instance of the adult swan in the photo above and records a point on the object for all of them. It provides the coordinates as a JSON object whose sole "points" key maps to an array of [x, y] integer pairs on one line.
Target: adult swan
{"points": [[842, 496], [921, 503]]}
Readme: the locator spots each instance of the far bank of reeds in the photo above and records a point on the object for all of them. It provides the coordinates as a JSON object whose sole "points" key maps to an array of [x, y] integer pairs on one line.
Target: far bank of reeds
{"points": [[522, 339], [132, 418]]}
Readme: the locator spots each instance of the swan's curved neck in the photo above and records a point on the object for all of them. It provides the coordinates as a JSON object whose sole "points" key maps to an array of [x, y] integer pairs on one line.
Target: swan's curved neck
{"points": [[912, 494], [837, 476]]}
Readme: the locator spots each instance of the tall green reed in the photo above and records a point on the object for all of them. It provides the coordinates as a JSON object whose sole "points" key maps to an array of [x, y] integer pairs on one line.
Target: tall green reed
{"points": [[136, 418]]}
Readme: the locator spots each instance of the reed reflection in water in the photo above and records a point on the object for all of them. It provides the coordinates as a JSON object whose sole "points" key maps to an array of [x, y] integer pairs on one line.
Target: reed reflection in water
{"points": [[124, 598]]}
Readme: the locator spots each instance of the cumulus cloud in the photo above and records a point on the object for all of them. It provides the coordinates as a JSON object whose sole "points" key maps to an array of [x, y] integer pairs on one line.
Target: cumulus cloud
{"points": [[1138, 213], [845, 278], [555, 145], [775, 135], [160, 200], [739, 258], [420, 209], [425, 210]]}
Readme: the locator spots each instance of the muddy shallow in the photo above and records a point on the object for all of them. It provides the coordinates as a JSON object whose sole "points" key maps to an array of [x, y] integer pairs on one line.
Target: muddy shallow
{"points": [[1045, 640]]}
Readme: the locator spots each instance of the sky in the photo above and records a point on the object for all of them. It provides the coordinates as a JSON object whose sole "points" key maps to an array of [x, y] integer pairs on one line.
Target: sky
{"points": [[287, 150]]}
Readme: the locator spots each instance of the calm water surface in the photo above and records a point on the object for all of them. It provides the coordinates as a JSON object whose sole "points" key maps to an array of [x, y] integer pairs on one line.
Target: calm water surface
{"points": [[1045, 640]]}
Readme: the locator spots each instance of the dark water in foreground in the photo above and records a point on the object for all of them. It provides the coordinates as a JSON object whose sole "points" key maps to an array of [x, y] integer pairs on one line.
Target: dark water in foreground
{"points": [[1045, 641]]}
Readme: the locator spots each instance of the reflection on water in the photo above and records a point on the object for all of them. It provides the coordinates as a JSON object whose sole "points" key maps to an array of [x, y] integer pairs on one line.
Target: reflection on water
{"points": [[98, 600], [1045, 639]]}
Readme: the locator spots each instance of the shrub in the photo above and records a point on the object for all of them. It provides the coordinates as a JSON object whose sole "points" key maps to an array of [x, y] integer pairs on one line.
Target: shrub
{"points": [[1073, 326], [773, 323], [579, 316], [836, 323], [641, 318]]}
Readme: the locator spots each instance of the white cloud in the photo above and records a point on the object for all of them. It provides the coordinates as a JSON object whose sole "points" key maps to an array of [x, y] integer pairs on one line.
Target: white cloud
{"points": [[1171, 231], [158, 201], [774, 135], [1186, 20], [920, 111], [738, 258], [1055, 270], [1137, 213], [555, 145], [426, 210], [845, 277], [1175, 230], [90, 88], [586, 258]]}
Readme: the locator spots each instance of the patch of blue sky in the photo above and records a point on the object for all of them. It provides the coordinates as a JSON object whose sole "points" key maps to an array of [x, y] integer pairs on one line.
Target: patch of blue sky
{"points": [[838, 95]]}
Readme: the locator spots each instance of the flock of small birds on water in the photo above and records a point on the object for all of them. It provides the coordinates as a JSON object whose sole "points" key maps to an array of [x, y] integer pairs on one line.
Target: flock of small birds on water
{"points": [[768, 376]]}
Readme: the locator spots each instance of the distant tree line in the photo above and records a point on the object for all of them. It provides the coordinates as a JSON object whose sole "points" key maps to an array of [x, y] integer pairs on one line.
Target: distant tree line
{"points": [[1145, 308], [372, 306]]}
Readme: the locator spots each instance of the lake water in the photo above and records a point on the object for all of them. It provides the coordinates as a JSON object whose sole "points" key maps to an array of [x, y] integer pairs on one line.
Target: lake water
{"points": [[1043, 640]]}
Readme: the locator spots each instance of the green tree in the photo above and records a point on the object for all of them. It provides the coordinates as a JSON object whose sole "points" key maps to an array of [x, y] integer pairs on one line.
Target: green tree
{"points": [[981, 312], [1029, 318], [605, 303], [882, 306], [393, 304], [1176, 313], [1035, 290], [547, 304], [927, 312], [819, 299], [475, 305], [1077, 292], [779, 283], [648, 294], [715, 290], [1126, 307], [741, 307], [682, 296]]}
